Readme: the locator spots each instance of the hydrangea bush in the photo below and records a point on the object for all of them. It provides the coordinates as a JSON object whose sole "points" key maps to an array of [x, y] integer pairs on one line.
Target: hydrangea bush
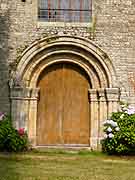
{"points": [[119, 131], [11, 139]]}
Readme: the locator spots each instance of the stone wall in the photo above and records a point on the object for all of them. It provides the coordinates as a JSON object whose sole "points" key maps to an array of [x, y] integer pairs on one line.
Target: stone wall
{"points": [[115, 34], [4, 56], [113, 31]]}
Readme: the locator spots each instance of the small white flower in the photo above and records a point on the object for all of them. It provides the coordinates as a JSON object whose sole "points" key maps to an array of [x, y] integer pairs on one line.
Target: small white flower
{"points": [[110, 135], [108, 121], [115, 124], [105, 136], [117, 129], [121, 117], [111, 122], [130, 111], [109, 129]]}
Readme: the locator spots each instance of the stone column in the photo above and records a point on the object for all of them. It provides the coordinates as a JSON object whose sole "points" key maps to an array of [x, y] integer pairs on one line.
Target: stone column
{"points": [[24, 109], [33, 116], [103, 114], [102, 103], [19, 106], [94, 118], [109, 102]]}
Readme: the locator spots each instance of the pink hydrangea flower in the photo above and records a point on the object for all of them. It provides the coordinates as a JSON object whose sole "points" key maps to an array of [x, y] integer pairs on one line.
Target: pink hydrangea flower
{"points": [[1, 116], [21, 131]]}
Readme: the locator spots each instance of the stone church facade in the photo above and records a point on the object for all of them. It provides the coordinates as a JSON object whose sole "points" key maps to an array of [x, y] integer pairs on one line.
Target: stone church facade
{"points": [[65, 66]]}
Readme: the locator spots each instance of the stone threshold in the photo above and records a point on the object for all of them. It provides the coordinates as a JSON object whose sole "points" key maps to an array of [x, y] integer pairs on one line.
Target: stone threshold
{"points": [[63, 147]]}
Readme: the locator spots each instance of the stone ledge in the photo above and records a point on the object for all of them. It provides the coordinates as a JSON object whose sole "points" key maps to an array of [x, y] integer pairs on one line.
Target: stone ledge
{"points": [[102, 95], [24, 93], [63, 24]]}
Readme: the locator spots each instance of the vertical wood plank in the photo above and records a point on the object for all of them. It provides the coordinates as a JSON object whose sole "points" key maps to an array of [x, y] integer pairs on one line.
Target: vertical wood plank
{"points": [[76, 109]]}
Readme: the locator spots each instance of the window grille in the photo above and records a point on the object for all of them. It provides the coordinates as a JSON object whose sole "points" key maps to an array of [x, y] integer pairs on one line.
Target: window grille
{"points": [[65, 10]]}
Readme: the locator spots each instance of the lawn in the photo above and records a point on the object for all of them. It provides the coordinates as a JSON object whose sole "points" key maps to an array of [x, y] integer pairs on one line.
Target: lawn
{"points": [[55, 165]]}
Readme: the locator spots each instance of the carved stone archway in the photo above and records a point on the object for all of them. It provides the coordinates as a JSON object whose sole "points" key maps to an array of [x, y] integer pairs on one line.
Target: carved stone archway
{"points": [[103, 95]]}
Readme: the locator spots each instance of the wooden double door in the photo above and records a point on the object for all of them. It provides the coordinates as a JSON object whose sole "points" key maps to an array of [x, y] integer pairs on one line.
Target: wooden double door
{"points": [[63, 108]]}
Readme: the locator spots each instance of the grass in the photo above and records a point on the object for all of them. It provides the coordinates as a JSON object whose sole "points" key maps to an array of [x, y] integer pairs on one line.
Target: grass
{"points": [[65, 165]]}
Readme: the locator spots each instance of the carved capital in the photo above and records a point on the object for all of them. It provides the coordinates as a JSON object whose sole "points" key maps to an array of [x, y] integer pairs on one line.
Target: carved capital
{"points": [[101, 94], [24, 93], [93, 95], [107, 94]]}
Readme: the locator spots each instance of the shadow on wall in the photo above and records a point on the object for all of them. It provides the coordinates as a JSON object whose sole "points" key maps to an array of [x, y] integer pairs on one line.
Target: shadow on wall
{"points": [[4, 54]]}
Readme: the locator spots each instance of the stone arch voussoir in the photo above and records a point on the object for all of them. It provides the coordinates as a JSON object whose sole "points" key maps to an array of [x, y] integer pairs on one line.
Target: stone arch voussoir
{"points": [[92, 59]]}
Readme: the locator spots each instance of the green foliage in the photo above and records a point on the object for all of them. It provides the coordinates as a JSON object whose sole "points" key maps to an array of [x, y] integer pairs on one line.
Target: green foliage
{"points": [[123, 142], [10, 139]]}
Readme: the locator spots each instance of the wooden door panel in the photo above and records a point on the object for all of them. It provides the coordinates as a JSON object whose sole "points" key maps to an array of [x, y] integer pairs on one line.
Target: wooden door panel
{"points": [[63, 111], [76, 112], [50, 107]]}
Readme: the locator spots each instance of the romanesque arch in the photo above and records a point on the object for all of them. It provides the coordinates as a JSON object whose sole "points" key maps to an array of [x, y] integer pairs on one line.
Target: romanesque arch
{"points": [[103, 94]]}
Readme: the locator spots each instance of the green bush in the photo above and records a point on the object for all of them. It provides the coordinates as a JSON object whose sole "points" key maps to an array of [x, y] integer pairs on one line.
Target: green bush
{"points": [[12, 140], [122, 141]]}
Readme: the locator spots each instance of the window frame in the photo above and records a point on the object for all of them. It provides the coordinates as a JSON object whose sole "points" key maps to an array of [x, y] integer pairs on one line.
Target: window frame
{"points": [[64, 23]]}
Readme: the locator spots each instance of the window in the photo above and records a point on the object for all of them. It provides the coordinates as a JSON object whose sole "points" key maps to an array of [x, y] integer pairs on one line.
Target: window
{"points": [[65, 10]]}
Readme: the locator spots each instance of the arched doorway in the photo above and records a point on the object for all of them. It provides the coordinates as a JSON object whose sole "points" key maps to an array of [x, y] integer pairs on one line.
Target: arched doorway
{"points": [[39, 73], [63, 108]]}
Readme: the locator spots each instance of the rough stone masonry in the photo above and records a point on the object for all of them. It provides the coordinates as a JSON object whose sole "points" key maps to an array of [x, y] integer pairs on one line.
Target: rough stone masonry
{"points": [[114, 33]]}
